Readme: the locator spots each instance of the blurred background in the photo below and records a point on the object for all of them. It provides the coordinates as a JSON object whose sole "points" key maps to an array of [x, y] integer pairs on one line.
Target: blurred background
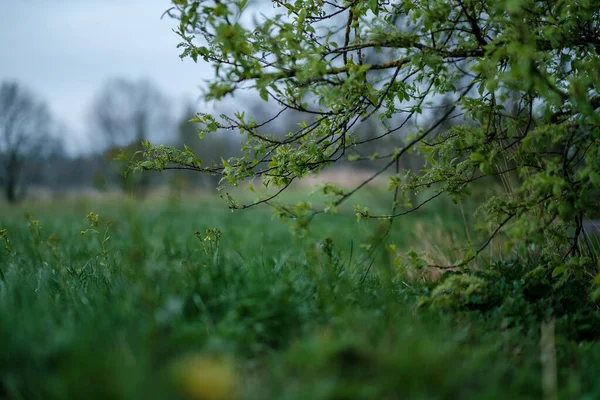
{"points": [[82, 82]]}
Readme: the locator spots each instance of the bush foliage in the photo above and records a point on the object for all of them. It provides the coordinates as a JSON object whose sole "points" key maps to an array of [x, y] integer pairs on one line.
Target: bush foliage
{"points": [[508, 91]]}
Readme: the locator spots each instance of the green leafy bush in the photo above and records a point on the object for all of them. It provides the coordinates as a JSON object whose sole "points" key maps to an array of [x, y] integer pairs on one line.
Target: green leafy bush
{"points": [[508, 91]]}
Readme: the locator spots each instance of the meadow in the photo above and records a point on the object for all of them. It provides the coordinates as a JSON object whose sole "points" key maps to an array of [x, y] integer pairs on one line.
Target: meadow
{"points": [[180, 298]]}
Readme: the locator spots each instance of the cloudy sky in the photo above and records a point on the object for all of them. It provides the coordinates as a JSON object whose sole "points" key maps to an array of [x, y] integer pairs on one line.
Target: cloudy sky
{"points": [[63, 50]]}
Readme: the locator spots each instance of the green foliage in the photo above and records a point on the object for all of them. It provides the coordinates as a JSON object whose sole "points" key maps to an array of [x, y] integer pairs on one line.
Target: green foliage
{"points": [[523, 76], [512, 295], [211, 242], [102, 238], [458, 291], [256, 313]]}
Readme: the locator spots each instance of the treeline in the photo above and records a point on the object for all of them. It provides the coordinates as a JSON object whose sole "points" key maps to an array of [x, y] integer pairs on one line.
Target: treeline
{"points": [[123, 115], [34, 143]]}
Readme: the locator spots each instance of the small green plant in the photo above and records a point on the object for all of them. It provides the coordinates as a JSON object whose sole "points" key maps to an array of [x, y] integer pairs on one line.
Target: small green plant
{"points": [[102, 237], [210, 241], [6, 240], [457, 291], [36, 234]]}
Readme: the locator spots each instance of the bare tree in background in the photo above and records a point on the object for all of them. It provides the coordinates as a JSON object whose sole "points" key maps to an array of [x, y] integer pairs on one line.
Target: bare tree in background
{"points": [[25, 133], [129, 111], [125, 114]]}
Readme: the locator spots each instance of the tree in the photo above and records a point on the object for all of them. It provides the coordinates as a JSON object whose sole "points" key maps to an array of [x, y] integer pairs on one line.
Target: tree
{"points": [[25, 136], [522, 75], [125, 114]]}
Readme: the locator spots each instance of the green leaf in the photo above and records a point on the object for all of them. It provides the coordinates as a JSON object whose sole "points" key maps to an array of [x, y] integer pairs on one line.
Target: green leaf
{"points": [[264, 94], [595, 178]]}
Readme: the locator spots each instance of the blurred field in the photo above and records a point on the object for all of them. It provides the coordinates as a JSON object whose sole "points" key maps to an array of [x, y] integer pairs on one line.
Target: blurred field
{"points": [[153, 306]]}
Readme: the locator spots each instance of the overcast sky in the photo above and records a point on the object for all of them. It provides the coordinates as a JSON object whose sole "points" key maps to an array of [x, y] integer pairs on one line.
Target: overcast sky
{"points": [[64, 50]]}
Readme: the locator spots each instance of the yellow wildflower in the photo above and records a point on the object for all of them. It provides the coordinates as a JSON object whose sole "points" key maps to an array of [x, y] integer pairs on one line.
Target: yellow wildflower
{"points": [[200, 377]]}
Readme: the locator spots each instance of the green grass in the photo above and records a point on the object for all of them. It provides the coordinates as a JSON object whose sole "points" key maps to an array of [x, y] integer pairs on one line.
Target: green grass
{"points": [[164, 314]]}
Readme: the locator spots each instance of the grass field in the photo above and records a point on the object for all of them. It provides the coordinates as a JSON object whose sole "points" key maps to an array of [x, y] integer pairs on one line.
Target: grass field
{"points": [[142, 307]]}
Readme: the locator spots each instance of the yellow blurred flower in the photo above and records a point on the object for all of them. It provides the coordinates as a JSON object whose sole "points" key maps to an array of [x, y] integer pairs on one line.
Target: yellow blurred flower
{"points": [[93, 219], [199, 377]]}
